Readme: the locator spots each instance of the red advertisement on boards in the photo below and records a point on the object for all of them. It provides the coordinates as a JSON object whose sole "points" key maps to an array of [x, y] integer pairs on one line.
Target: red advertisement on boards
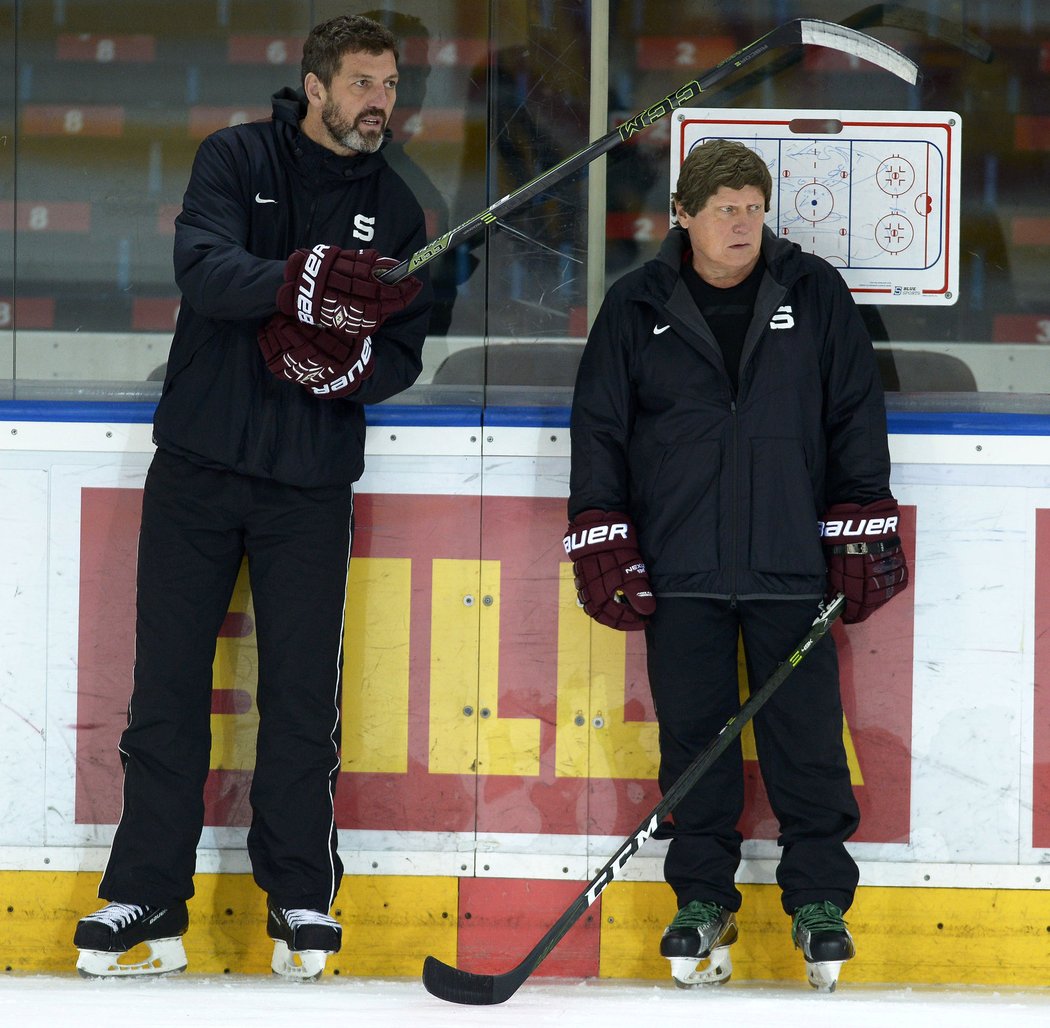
{"points": [[479, 719]]}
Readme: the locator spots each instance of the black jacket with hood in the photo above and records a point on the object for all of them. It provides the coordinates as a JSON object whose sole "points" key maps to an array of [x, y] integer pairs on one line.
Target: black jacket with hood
{"points": [[726, 491], [258, 192]]}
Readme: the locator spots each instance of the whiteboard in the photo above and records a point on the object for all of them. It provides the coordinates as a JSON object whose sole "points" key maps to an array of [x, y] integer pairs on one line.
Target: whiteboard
{"points": [[875, 193]]}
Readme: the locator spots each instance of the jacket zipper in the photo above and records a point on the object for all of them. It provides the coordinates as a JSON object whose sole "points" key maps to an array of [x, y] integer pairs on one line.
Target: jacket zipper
{"points": [[735, 505]]}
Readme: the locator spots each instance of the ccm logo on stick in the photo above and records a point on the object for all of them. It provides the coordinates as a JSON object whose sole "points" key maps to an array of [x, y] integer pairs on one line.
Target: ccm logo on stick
{"points": [[598, 534], [615, 866], [304, 302], [865, 526]]}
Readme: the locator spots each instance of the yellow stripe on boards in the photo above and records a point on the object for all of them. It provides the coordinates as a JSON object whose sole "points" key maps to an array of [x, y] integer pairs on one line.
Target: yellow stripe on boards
{"points": [[907, 936], [389, 923]]}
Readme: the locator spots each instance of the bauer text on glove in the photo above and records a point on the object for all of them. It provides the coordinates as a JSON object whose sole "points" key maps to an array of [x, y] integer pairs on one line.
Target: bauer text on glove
{"points": [[865, 560], [326, 365], [611, 579], [337, 289]]}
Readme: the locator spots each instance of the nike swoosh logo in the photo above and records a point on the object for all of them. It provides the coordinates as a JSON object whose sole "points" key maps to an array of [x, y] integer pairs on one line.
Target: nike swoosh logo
{"points": [[261, 199], [660, 329]]}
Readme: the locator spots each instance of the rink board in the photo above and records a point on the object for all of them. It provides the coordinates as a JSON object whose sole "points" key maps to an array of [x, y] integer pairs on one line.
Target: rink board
{"points": [[390, 924], [499, 745]]}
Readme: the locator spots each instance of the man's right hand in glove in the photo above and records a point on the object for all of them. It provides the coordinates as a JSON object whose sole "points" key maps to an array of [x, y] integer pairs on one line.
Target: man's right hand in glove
{"points": [[337, 289], [611, 580]]}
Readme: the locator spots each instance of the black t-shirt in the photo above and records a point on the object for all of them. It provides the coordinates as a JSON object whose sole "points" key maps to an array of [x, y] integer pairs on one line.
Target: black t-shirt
{"points": [[727, 311]]}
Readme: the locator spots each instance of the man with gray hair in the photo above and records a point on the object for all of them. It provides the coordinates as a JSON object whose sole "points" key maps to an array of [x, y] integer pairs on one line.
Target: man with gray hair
{"points": [[728, 421]]}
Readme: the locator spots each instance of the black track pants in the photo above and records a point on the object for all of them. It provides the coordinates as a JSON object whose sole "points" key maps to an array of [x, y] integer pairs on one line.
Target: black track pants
{"points": [[197, 525], [692, 661]]}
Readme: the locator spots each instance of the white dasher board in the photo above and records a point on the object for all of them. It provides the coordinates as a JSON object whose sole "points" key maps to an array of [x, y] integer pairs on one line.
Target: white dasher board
{"points": [[875, 193]]}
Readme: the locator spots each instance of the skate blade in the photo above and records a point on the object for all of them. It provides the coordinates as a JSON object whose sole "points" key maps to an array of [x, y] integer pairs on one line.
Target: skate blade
{"points": [[824, 975], [297, 965], [156, 957], [715, 969]]}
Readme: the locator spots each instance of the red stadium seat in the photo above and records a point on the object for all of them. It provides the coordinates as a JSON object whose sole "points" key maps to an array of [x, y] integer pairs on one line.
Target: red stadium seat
{"points": [[27, 312], [45, 216], [205, 119], [92, 120], [139, 49], [658, 53], [154, 314]]}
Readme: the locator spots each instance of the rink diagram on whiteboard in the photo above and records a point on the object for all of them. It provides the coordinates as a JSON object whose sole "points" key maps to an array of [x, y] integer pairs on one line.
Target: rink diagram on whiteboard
{"points": [[876, 194]]}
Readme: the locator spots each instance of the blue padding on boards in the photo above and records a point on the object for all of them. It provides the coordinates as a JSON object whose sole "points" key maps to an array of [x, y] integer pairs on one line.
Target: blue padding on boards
{"points": [[454, 416], [437, 416], [976, 423], [131, 412], [88, 411], [527, 417]]}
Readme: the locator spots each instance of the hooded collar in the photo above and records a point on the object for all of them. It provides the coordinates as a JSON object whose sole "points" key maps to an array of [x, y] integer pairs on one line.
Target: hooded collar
{"points": [[289, 109], [779, 254]]}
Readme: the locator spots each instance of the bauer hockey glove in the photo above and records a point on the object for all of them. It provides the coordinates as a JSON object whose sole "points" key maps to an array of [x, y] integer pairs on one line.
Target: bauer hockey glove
{"points": [[337, 289], [323, 363], [864, 555], [611, 580]]}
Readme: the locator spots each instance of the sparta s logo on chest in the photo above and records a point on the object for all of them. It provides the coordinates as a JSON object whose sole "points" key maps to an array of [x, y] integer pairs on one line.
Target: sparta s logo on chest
{"points": [[364, 228], [304, 302], [784, 318]]}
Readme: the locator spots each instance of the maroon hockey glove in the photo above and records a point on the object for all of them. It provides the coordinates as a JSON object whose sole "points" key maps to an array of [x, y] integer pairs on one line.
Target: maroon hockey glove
{"points": [[611, 580], [864, 555], [326, 365], [337, 289]]}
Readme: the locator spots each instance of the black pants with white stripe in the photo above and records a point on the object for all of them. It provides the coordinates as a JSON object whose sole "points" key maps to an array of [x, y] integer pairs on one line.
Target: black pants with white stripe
{"points": [[198, 524], [692, 646]]}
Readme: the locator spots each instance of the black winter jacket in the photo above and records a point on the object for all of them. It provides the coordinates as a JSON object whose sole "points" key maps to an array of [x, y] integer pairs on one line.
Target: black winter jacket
{"points": [[726, 491], [258, 192]]}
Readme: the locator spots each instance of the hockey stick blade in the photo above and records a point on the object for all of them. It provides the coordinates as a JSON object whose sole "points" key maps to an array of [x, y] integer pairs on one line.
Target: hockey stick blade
{"points": [[797, 33], [458, 986]]}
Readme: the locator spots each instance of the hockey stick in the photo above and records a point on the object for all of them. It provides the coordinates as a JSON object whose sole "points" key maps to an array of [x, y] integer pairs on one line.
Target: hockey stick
{"points": [[798, 33], [456, 986]]}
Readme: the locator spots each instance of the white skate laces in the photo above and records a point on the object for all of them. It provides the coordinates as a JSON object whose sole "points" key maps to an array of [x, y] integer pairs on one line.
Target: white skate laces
{"points": [[126, 940], [116, 915], [299, 916]]}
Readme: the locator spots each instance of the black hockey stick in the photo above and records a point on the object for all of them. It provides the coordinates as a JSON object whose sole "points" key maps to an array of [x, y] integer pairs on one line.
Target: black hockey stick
{"points": [[798, 33], [456, 986]]}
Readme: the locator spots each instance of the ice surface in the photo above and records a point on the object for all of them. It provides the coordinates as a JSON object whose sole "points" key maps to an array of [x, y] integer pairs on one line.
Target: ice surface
{"points": [[46, 1001]]}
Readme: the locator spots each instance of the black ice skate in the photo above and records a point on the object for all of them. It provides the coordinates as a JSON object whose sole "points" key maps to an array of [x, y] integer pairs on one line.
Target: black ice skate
{"points": [[819, 931], [302, 941], [701, 933], [124, 940]]}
